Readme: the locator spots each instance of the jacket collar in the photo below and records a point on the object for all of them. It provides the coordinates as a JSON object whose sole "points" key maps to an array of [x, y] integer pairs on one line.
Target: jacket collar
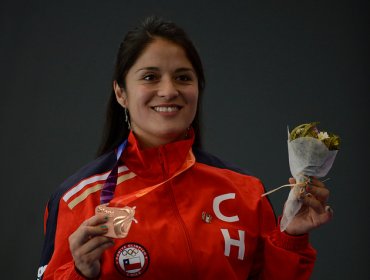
{"points": [[159, 163]]}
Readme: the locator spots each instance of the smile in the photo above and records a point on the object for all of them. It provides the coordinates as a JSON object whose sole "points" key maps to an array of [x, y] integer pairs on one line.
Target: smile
{"points": [[166, 108]]}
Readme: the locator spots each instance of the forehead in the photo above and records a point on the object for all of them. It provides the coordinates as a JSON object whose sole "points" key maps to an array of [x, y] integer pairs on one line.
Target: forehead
{"points": [[162, 53]]}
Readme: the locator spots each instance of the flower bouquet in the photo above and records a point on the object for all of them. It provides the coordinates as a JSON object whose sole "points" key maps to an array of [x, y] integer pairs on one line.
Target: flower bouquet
{"points": [[311, 153]]}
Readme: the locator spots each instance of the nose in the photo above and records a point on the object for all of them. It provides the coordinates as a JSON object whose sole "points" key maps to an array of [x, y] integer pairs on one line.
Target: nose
{"points": [[168, 89]]}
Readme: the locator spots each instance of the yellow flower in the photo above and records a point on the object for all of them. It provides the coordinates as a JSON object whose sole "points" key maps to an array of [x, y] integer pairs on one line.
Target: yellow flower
{"points": [[331, 140], [323, 135]]}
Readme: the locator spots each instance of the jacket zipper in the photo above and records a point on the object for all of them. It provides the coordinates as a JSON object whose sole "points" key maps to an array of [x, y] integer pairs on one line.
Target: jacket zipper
{"points": [[161, 161], [182, 224], [183, 227]]}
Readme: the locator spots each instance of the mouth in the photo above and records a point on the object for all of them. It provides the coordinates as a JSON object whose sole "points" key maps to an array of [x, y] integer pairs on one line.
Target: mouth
{"points": [[166, 108]]}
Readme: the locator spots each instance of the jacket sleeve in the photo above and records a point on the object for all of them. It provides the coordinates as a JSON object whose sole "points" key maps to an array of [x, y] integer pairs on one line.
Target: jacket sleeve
{"points": [[56, 259], [281, 256]]}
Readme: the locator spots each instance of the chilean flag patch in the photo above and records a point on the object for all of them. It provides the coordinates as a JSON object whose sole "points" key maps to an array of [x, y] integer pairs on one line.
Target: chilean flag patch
{"points": [[131, 259], [132, 263]]}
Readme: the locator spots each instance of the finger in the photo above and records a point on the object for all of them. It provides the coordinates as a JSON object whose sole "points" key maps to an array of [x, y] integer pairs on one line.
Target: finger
{"points": [[316, 182], [330, 211], [90, 253], [310, 201], [292, 180], [326, 216], [88, 232], [85, 232], [98, 243], [95, 220], [98, 251], [322, 194]]}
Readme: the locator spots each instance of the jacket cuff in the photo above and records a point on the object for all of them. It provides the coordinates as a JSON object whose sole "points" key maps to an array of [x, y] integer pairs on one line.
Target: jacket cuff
{"points": [[289, 242], [76, 275]]}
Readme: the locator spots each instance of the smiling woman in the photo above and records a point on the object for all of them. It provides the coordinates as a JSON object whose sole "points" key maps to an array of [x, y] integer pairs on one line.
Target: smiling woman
{"points": [[133, 46], [160, 94], [153, 204]]}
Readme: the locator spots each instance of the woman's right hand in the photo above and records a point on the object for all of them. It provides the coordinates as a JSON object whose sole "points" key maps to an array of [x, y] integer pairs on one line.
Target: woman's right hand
{"points": [[87, 244]]}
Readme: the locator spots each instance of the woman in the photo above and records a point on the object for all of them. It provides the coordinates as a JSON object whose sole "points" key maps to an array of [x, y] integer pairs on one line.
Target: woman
{"points": [[192, 216]]}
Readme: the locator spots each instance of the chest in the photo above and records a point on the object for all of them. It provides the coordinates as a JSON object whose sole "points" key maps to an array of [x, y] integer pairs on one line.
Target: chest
{"points": [[191, 227]]}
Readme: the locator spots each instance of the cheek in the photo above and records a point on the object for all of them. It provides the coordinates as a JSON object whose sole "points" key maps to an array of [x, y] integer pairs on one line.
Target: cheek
{"points": [[139, 98], [193, 99], [193, 106]]}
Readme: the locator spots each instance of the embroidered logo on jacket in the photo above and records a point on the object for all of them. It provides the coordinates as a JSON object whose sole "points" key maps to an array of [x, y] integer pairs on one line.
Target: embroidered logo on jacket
{"points": [[131, 259]]}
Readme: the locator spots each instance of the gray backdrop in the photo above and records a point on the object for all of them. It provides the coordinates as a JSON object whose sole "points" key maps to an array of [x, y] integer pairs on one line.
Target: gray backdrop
{"points": [[268, 65]]}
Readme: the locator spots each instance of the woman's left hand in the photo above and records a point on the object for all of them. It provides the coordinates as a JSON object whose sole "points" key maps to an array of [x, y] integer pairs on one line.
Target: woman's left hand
{"points": [[314, 211]]}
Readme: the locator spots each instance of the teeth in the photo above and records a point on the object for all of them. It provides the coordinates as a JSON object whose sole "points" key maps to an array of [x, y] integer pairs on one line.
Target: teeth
{"points": [[166, 109]]}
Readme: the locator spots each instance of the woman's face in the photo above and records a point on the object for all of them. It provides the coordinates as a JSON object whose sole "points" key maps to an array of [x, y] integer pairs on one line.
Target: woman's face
{"points": [[161, 94]]}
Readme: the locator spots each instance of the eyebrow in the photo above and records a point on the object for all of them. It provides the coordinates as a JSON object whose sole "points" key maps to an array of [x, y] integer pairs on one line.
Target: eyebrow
{"points": [[151, 68], [147, 68], [184, 69]]}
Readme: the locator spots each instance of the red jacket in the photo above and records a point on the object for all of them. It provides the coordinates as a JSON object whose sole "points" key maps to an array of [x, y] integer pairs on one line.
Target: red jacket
{"points": [[208, 222]]}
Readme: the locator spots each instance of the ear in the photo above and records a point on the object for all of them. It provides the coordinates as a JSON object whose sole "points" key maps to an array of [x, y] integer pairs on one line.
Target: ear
{"points": [[121, 95]]}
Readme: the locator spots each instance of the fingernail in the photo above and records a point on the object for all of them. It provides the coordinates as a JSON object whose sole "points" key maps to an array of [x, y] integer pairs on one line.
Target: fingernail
{"points": [[104, 227], [329, 209]]}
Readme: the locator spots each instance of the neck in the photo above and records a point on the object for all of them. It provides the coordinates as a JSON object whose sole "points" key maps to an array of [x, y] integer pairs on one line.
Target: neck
{"points": [[152, 142]]}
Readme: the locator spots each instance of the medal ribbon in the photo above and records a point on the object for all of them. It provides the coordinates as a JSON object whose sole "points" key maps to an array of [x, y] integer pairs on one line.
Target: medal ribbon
{"points": [[109, 187], [123, 201]]}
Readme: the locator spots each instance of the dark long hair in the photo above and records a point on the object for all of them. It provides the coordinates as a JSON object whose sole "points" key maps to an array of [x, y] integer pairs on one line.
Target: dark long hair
{"points": [[132, 46]]}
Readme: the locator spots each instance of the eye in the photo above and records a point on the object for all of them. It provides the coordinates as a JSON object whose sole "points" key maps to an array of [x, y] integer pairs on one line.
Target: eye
{"points": [[184, 78], [149, 77]]}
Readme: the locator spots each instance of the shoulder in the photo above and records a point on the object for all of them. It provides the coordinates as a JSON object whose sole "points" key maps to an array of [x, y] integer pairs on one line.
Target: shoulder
{"points": [[214, 161], [234, 177], [99, 165], [228, 171]]}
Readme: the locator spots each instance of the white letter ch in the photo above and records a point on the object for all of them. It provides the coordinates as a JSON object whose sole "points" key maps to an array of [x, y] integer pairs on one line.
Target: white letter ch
{"points": [[228, 241]]}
